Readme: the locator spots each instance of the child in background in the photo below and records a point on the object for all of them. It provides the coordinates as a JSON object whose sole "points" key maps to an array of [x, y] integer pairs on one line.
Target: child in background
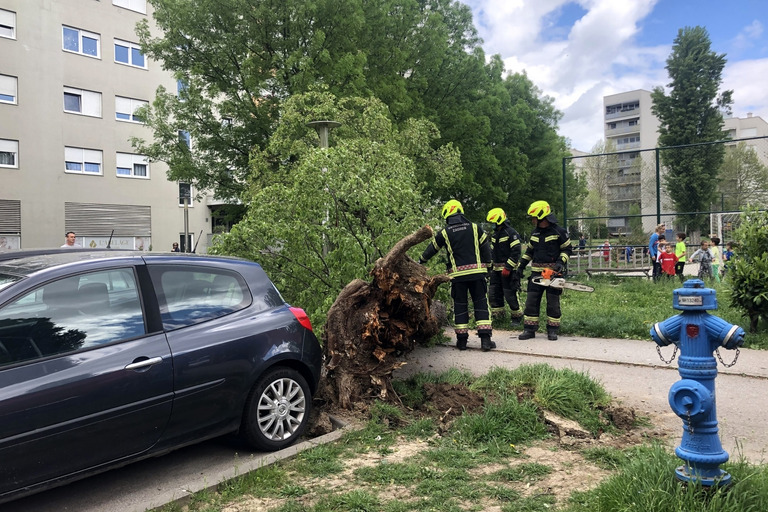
{"points": [[668, 261], [704, 257], [680, 253], [727, 255], [660, 250], [716, 258]]}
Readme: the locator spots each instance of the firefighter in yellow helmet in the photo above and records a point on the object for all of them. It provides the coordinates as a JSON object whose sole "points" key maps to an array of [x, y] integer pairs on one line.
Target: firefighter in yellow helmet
{"points": [[548, 247], [469, 259], [504, 283]]}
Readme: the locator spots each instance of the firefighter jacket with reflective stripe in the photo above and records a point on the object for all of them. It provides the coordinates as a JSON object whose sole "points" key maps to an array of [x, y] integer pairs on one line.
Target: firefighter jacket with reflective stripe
{"points": [[505, 245], [546, 247], [468, 248]]}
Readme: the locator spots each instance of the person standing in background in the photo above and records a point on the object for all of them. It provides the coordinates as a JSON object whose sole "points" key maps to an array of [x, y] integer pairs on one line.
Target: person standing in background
{"points": [[680, 251], [175, 247], [717, 258], [653, 250], [70, 241]]}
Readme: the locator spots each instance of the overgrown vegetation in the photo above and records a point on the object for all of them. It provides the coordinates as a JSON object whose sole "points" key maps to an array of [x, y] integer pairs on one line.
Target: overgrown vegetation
{"points": [[479, 461], [749, 268]]}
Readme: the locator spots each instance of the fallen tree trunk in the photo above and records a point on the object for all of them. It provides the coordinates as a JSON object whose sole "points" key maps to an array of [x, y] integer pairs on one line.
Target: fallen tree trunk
{"points": [[371, 325]]}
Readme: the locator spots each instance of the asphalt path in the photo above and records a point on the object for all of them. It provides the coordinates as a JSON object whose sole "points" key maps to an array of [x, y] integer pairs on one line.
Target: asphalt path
{"points": [[633, 373], [154, 482]]}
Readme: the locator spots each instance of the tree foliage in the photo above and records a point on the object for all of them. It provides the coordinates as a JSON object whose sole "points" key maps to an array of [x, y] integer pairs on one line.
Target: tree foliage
{"points": [[743, 178], [690, 114], [748, 269], [319, 218], [240, 59]]}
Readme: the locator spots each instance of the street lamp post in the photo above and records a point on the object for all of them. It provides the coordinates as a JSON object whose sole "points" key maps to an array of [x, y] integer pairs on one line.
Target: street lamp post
{"points": [[323, 129]]}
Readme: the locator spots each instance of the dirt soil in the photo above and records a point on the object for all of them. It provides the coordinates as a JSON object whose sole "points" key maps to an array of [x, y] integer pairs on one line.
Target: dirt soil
{"points": [[562, 452]]}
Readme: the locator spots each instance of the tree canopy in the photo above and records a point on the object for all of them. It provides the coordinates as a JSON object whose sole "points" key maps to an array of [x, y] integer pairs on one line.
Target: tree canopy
{"points": [[319, 218], [692, 113], [239, 60]]}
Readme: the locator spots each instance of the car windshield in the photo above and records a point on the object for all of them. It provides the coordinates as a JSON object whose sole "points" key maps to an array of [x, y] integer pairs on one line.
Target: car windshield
{"points": [[7, 279]]}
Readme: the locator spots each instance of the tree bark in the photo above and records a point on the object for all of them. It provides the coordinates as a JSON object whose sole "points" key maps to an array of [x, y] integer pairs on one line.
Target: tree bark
{"points": [[371, 325]]}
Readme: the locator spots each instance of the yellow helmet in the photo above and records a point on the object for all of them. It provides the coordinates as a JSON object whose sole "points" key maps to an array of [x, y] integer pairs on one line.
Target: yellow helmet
{"points": [[497, 216], [539, 209], [451, 207]]}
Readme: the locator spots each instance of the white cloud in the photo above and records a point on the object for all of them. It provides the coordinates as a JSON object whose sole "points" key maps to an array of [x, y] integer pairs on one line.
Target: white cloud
{"points": [[745, 78], [574, 65], [599, 55]]}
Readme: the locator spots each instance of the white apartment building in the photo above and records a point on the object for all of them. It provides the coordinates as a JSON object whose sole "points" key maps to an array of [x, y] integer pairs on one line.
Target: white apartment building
{"points": [[630, 125], [71, 78]]}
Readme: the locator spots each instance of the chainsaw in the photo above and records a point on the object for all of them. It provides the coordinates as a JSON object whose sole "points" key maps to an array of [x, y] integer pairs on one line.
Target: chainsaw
{"points": [[553, 280]]}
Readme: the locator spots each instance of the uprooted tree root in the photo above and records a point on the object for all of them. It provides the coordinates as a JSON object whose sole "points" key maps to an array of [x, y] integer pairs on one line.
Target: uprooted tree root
{"points": [[371, 326]]}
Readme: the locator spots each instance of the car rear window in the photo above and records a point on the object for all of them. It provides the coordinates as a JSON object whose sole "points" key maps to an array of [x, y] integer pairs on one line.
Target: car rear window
{"points": [[194, 295]]}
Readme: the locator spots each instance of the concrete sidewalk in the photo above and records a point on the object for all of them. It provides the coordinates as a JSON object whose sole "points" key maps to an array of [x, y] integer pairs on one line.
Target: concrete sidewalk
{"points": [[633, 373]]}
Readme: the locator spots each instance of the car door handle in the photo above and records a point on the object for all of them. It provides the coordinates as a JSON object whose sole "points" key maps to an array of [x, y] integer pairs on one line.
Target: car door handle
{"points": [[144, 363]]}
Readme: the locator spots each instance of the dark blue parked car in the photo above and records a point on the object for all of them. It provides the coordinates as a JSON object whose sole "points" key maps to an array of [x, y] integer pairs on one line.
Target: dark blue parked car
{"points": [[107, 357]]}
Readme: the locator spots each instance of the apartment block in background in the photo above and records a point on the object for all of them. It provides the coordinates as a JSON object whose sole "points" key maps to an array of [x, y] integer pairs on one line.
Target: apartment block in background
{"points": [[72, 76]]}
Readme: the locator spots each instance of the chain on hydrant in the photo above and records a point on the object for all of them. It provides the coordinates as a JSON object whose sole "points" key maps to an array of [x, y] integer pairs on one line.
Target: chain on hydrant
{"points": [[698, 334]]}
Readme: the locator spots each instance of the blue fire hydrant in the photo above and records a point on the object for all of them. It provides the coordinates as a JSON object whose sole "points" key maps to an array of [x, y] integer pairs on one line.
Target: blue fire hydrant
{"points": [[697, 334]]}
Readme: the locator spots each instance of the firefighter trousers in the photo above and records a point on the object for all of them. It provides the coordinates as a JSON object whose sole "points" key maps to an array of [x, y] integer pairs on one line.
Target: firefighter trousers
{"points": [[460, 293]]}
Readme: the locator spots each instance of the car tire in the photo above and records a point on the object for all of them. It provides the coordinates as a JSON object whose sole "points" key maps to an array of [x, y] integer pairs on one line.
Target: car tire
{"points": [[277, 410]]}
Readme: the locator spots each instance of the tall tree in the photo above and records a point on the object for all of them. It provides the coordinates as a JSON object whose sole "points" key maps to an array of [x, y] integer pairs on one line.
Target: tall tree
{"points": [[692, 113], [238, 60], [743, 179]]}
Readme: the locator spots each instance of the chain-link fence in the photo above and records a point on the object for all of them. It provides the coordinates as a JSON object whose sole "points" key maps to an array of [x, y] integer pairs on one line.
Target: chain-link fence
{"points": [[697, 189]]}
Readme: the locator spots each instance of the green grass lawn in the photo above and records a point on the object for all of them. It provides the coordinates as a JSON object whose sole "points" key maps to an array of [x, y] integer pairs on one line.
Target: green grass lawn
{"points": [[628, 307]]}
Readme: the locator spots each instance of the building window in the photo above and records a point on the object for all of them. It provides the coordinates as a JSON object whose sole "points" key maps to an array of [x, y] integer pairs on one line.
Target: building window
{"points": [[78, 101], [8, 89], [80, 41], [132, 166], [611, 126], [633, 122], [7, 24], [130, 54], [132, 5], [125, 109], [184, 138], [82, 161], [185, 192], [9, 153]]}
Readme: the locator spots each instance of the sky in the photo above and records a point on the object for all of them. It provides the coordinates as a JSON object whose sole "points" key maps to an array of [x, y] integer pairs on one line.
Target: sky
{"points": [[578, 51]]}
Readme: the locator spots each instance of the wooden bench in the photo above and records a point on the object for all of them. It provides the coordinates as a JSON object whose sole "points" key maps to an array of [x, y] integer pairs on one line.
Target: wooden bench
{"points": [[630, 271]]}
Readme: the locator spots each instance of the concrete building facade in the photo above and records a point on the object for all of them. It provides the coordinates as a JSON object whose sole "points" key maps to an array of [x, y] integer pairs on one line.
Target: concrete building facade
{"points": [[630, 126], [71, 78]]}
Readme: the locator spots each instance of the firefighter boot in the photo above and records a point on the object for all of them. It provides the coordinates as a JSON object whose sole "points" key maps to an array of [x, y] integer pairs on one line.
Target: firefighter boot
{"points": [[527, 334], [485, 343], [552, 333], [461, 341]]}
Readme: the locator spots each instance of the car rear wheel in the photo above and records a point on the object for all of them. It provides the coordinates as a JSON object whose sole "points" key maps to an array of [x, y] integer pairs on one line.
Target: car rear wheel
{"points": [[277, 410]]}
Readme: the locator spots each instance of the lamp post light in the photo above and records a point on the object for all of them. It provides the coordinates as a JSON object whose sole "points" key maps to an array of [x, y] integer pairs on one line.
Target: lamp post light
{"points": [[323, 129]]}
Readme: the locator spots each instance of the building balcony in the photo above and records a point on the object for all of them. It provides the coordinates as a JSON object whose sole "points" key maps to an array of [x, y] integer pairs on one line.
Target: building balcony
{"points": [[623, 113], [627, 145], [621, 130]]}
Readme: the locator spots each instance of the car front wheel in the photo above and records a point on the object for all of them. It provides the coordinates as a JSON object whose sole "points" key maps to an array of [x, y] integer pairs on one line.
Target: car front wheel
{"points": [[277, 410]]}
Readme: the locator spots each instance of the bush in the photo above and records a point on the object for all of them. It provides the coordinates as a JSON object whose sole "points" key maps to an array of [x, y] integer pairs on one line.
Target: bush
{"points": [[748, 269]]}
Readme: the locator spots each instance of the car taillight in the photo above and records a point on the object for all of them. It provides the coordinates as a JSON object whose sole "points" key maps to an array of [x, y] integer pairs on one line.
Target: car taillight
{"points": [[302, 317]]}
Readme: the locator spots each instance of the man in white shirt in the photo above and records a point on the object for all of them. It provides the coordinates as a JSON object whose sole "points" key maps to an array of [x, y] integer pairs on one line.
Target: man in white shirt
{"points": [[70, 241]]}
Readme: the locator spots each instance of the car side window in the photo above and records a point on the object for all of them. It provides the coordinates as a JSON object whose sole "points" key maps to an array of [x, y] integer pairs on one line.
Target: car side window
{"points": [[69, 314], [191, 296]]}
